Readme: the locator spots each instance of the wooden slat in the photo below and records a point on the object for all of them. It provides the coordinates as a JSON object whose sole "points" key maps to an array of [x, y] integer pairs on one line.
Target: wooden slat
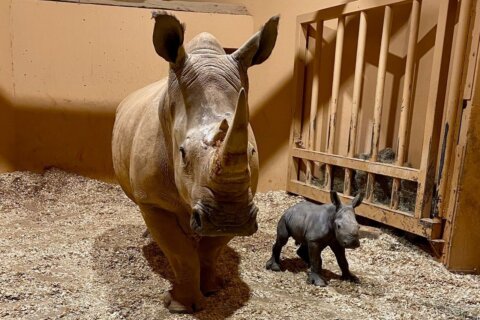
{"points": [[472, 64], [337, 69], [356, 164], [357, 90], [315, 92], [406, 98], [346, 9], [431, 136], [379, 93], [428, 228], [190, 6], [299, 78], [453, 101]]}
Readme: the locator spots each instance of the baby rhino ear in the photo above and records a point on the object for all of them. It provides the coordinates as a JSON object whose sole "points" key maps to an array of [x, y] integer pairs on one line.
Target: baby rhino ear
{"points": [[357, 200], [335, 200]]}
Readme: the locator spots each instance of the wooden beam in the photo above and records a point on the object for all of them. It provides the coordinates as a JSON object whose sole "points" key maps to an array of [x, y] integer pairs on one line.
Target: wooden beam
{"points": [[189, 6], [315, 91], [428, 228], [299, 78], [406, 98], [356, 164], [357, 90], [436, 94], [379, 94], [346, 9], [337, 70], [453, 102]]}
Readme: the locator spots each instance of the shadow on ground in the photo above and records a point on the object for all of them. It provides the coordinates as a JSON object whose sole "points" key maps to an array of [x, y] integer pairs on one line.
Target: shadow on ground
{"points": [[136, 274]]}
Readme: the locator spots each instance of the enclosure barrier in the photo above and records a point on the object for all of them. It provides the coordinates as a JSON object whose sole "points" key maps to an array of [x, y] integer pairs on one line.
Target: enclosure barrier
{"points": [[312, 170]]}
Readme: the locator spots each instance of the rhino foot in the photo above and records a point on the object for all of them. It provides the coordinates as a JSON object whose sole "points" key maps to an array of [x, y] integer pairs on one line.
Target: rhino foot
{"points": [[212, 285], [316, 280], [272, 265], [175, 306], [350, 277]]}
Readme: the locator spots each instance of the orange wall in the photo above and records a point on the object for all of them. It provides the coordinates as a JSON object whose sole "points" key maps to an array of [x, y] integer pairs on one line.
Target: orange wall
{"points": [[71, 65], [6, 91]]}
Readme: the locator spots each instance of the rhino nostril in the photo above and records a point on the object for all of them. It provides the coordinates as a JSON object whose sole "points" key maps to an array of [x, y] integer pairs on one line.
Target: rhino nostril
{"points": [[196, 217]]}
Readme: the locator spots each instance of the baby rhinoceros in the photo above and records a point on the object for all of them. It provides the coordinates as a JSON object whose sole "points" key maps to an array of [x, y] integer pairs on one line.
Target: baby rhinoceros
{"points": [[315, 227]]}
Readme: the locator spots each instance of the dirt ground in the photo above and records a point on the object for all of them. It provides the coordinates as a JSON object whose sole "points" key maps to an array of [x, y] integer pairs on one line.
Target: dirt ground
{"points": [[72, 247]]}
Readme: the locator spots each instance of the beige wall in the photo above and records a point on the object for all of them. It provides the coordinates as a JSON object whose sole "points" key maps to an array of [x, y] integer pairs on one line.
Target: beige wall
{"points": [[73, 63], [6, 90], [70, 65]]}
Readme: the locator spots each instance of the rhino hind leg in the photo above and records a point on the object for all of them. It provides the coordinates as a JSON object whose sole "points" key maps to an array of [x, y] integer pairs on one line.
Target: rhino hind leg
{"points": [[282, 237], [302, 252], [185, 296], [209, 250]]}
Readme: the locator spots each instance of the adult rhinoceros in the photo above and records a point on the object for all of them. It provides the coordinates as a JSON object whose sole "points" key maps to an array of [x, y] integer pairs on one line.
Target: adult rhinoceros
{"points": [[184, 152]]}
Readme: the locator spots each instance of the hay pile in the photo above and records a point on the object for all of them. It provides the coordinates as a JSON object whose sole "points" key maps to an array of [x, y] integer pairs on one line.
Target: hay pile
{"points": [[72, 247]]}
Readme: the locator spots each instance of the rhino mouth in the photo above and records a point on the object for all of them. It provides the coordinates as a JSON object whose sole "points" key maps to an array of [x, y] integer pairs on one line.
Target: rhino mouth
{"points": [[224, 220]]}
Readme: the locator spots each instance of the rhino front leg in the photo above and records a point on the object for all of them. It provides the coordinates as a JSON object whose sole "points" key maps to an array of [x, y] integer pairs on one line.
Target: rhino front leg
{"points": [[209, 250], [181, 252], [339, 252], [315, 277]]}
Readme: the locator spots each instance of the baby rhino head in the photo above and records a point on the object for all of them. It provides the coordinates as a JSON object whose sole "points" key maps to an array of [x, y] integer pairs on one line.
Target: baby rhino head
{"points": [[345, 224]]}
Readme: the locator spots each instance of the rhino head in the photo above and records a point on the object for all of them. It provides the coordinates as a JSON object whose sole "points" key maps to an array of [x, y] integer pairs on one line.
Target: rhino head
{"points": [[213, 149], [345, 224]]}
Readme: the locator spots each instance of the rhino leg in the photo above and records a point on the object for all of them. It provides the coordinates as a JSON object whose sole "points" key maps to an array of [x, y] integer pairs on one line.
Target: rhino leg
{"points": [[339, 252], [209, 250], [282, 238], [180, 250]]}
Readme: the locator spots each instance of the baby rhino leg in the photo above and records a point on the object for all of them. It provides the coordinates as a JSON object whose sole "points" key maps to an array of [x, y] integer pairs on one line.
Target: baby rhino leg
{"points": [[282, 238], [314, 277], [302, 252]]}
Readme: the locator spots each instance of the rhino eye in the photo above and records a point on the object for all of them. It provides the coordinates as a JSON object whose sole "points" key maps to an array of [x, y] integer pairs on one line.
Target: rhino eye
{"points": [[182, 152], [338, 225]]}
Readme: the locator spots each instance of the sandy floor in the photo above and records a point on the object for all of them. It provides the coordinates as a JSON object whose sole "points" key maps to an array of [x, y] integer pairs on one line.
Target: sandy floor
{"points": [[72, 247]]}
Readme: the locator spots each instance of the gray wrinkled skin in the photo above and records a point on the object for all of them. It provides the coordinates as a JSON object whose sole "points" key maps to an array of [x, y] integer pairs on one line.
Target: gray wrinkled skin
{"points": [[314, 227]]}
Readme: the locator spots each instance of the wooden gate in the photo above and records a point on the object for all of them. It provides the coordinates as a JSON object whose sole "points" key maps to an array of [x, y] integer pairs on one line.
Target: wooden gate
{"points": [[316, 162]]}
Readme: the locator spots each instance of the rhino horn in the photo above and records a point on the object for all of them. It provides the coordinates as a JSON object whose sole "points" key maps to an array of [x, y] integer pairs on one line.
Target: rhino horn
{"points": [[234, 148]]}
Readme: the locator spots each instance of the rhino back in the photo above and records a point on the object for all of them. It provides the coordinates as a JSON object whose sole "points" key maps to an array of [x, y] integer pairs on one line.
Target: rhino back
{"points": [[308, 221], [140, 148]]}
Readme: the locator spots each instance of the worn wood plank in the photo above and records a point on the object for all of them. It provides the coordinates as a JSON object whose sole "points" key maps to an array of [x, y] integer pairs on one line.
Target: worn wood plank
{"points": [[453, 106], [406, 98], [299, 78], [314, 99], [474, 44], [357, 90], [332, 119], [379, 94], [436, 95], [405, 173], [190, 6], [347, 9], [428, 228]]}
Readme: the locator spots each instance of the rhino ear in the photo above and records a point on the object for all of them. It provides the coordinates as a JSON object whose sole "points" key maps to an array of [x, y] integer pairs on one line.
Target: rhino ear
{"points": [[259, 47], [168, 35], [335, 199], [357, 200]]}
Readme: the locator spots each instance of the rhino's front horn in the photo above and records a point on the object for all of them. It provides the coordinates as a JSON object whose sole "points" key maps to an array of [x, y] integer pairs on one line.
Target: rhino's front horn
{"points": [[234, 151]]}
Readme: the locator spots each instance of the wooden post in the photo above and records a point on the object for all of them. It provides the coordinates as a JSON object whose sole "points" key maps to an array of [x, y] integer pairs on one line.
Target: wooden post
{"points": [[379, 92], [357, 90], [314, 100], [337, 69], [453, 102], [406, 98], [299, 74], [431, 137]]}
